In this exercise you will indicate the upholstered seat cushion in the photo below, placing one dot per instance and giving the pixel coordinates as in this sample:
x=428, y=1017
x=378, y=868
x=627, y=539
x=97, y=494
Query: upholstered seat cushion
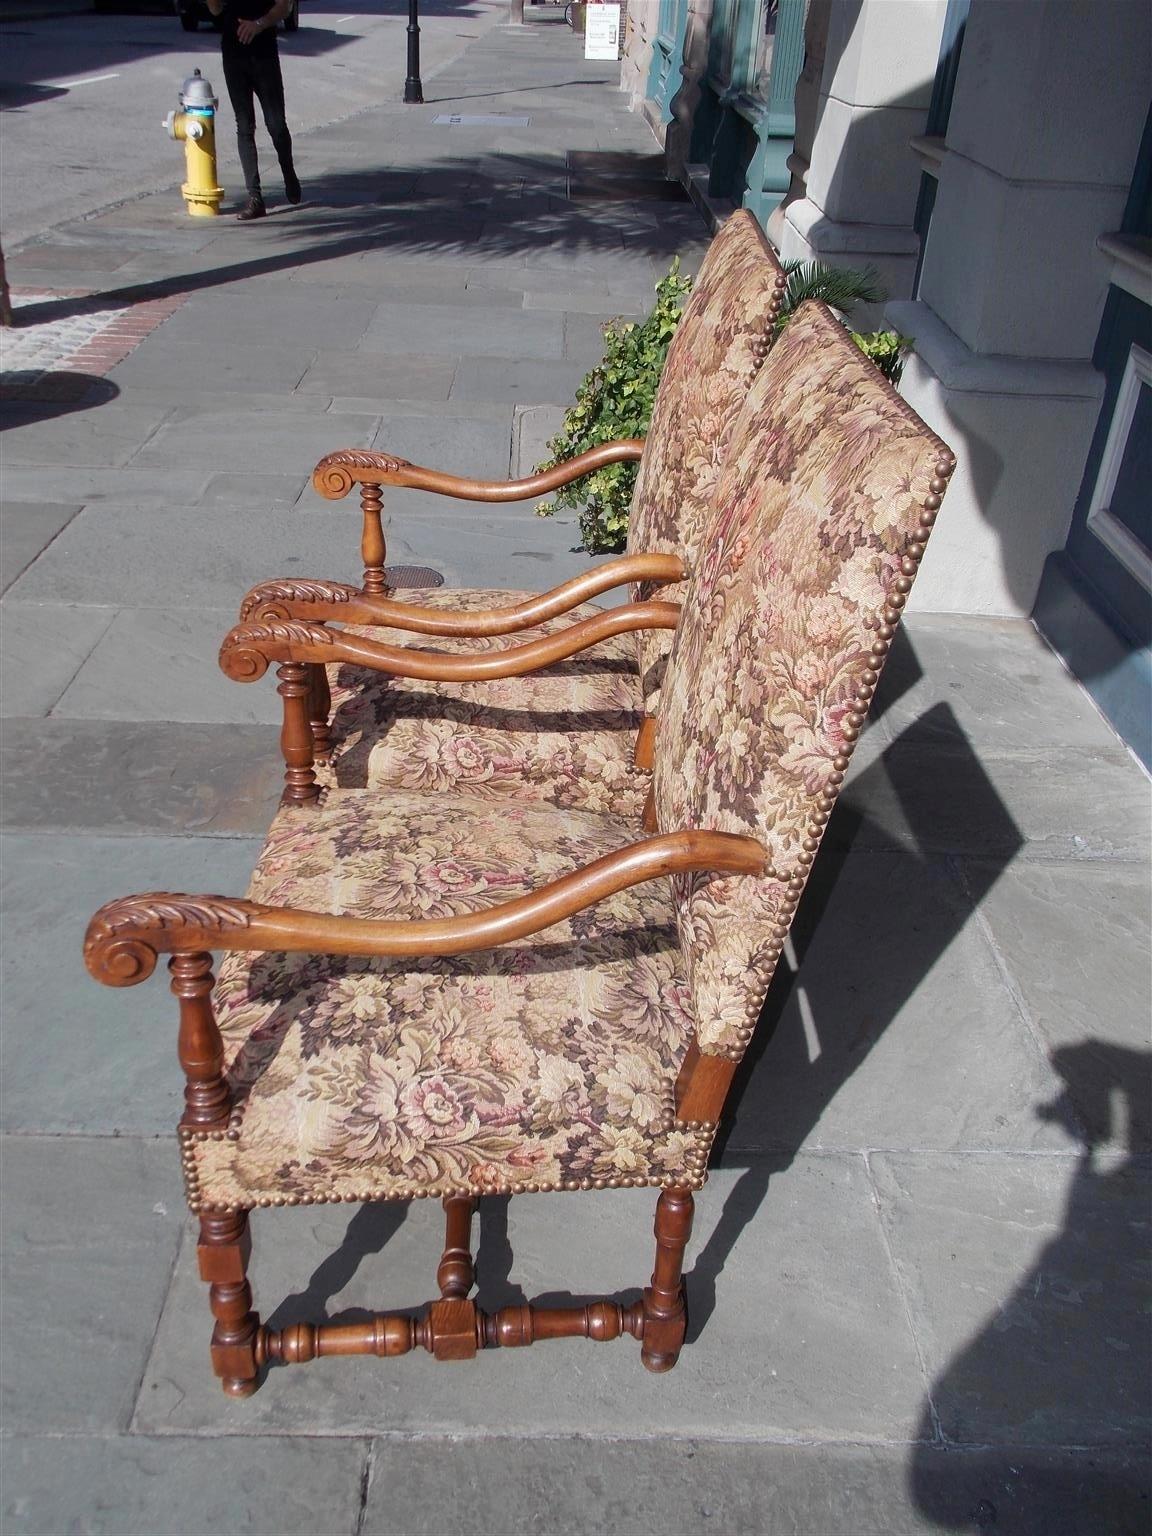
x=564, y=736
x=549, y=1063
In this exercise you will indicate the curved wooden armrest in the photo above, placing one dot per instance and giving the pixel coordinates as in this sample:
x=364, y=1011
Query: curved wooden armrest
x=291, y=598
x=337, y=473
x=248, y=649
x=125, y=936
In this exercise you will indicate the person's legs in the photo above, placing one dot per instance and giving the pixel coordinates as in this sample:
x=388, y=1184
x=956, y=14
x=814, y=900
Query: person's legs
x=269, y=85
x=239, y=80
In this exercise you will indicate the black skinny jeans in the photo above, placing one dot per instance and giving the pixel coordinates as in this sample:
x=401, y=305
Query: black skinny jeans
x=252, y=73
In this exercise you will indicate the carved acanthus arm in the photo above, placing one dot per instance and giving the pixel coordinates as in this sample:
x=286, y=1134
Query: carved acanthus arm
x=337, y=473
x=319, y=601
x=125, y=937
x=249, y=649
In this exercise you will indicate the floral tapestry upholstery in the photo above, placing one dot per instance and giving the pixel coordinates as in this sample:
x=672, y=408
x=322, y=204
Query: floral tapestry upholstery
x=548, y=1063
x=564, y=736
x=822, y=513
x=711, y=362
x=381, y=727
x=610, y=660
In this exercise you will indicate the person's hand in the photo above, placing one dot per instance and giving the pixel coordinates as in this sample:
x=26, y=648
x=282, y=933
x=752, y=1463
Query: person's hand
x=247, y=30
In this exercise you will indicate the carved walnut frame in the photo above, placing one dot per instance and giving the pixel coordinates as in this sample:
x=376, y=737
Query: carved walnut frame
x=305, y=650
x=121, y=948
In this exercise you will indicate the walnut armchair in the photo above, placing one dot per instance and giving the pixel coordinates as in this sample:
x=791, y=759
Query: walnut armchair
x=442, y=995
x=371, y=728
x=307, y=651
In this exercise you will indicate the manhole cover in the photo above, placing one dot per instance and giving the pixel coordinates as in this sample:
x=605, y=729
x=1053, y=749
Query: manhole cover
x=413, y=576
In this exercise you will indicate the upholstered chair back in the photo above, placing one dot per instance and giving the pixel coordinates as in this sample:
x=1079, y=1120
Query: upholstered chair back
x=822, y=512
x=720, y=342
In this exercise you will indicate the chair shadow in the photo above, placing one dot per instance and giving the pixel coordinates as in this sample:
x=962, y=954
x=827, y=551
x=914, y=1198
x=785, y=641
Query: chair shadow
x=495, y=1287
x=884, y=856
x=858, y=833
x=369, y=1232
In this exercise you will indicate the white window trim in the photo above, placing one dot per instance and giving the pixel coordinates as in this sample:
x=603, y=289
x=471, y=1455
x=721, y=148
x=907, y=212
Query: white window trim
x=1111, y=532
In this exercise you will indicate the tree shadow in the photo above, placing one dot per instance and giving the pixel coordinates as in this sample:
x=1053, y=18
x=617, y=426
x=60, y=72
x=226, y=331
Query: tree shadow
x=100, y=41
x=14, y=95
x=487, y=208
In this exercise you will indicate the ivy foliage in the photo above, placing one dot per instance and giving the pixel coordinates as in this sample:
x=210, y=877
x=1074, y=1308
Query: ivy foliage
x=616, y=398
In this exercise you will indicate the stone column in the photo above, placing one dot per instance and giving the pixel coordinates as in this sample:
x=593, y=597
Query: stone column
x=862, y=181
x=807, y=100
x=1044, y=130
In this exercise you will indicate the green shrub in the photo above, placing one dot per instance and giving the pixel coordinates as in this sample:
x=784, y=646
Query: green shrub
x=886, y=349
x=615, y=400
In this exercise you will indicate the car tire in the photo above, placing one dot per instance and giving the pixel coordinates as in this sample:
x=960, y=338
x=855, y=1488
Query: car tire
x=292, y=20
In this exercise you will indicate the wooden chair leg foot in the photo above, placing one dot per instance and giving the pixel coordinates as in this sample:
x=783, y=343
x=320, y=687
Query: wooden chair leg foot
x=222, y=1253
x=665, y=1302
x=663, y=1336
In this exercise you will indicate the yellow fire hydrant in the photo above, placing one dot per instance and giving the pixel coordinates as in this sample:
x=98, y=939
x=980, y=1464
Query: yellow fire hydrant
x=195, y=123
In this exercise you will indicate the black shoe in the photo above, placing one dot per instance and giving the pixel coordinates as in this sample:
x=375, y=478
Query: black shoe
x=253, y=209
x=292, y=189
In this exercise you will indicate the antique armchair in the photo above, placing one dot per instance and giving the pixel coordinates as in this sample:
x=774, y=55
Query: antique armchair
x=442, y=996
x=372, y=730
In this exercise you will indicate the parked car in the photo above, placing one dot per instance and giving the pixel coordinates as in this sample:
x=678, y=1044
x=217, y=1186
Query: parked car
x=193, y=12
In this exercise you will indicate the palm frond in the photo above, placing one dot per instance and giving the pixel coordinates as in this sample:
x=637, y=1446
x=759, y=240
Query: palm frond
x=839, y=287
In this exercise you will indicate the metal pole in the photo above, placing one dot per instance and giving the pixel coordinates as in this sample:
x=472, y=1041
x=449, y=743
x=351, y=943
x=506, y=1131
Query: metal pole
x=413, y=90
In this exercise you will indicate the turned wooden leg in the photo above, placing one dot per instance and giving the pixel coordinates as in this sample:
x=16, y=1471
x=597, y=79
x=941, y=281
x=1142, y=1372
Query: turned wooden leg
x=456, y=1275
x=223, y=1250
x=320, y=710
x=296, y=734
x=665, y=1309
x=373, y=550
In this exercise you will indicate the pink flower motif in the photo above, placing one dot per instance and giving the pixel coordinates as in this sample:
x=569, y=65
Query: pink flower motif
x=432, y=1110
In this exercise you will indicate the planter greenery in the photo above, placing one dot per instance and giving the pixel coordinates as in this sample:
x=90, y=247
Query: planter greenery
x=615, y=400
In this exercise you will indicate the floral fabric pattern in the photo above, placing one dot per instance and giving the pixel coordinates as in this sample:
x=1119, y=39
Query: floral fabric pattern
x=563, y=737
x=713, y=358
x=816, y=534
x=380, y=726
x=545, y=1063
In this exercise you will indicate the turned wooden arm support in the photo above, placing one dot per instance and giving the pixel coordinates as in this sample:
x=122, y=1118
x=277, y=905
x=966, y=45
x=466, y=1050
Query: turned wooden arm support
x=125, y=936
x=337, y=473
x=291, y=598
x=248, y=649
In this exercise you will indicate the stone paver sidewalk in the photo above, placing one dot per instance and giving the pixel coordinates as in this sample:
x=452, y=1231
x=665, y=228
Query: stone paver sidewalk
x=915, y=1280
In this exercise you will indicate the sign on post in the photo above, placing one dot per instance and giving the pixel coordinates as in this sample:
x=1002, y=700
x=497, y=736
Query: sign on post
x=602, y=32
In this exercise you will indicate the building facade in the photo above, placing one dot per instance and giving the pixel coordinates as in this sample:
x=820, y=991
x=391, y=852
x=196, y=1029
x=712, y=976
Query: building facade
x=993, y=162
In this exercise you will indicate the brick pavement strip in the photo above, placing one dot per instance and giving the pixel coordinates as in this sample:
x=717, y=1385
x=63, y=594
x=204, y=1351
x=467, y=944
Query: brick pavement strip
x=79, y=339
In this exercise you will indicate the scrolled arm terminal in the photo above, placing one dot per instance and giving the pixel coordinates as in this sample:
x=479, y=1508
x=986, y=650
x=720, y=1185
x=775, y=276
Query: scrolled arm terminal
x=337, y=473
x=249, y=649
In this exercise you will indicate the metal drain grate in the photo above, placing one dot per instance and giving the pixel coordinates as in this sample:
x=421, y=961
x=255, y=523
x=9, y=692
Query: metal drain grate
x=462, y=120
x=413, y=576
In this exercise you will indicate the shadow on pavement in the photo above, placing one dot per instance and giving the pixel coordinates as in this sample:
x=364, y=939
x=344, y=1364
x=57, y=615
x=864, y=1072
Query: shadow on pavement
x=499, y=208
x=1071, y=1338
